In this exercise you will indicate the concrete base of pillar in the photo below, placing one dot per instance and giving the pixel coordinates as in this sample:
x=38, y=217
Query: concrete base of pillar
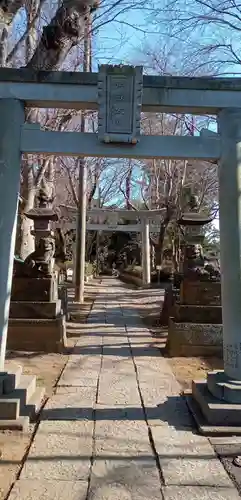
x=221, y=387
x=20, y=399
x=213, y=416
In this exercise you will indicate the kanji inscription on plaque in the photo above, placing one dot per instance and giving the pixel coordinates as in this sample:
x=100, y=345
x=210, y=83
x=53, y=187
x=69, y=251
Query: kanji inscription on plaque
x=120, y=99
x=112, y=220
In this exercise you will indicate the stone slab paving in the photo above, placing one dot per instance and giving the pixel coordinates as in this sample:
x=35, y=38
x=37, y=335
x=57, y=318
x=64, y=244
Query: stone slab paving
x=227, y=448
x=30, y=489
x=117, y=428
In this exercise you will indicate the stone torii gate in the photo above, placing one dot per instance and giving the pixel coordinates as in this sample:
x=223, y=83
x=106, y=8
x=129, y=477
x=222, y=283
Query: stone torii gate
x=112, y=216
x=119, y=95
x=144, y=228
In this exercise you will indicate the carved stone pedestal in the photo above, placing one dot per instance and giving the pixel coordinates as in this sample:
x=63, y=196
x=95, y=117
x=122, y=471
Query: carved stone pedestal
x=36, y=320
x=202, y=293
x=195, y=328
x=34, y=289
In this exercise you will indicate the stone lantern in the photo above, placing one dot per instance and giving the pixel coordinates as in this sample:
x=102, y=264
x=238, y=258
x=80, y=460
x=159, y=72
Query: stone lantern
x=195, y=315
x=193, y=225
x=42, y=217
x=37, y=319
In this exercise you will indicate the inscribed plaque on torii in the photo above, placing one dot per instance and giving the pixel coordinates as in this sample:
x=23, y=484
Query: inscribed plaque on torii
x=120, y=100
x=112, y=220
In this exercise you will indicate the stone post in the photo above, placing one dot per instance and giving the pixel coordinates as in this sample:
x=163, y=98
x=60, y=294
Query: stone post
x=146, y=260
x=74, y=262
x=81, y=235
x=12, y=117
x=229, y=123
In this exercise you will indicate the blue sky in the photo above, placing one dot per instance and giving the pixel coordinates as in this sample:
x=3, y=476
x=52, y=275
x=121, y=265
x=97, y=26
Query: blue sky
x=120, y=42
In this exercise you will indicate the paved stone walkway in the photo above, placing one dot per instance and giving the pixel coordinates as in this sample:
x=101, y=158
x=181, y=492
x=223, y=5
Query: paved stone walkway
x=116, y=429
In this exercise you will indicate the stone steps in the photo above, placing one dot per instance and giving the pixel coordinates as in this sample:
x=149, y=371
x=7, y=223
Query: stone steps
x=20, y=399
x=18, y=424
x=24, y=390
x=9, y=408
x=12, y=380
x=33, y=406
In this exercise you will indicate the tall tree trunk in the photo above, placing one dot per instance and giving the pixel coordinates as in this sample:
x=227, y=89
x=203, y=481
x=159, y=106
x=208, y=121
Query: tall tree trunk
x=26, y=239
x=32, y=8
x=128, y=188
x=159, y=245
x=30, y=186
x=3, y=44
x=82, y=185
x=25, y=242
x=50, y=176
x=65, y=30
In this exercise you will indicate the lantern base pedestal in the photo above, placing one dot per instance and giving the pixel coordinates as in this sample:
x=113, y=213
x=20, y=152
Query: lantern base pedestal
x=195, y=320
x=37, y=315
x=37, y=335
x=188, y=339
x=44, y=289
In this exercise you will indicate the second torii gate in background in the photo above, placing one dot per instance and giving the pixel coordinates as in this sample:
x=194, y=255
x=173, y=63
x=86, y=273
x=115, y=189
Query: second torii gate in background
x=113, y=216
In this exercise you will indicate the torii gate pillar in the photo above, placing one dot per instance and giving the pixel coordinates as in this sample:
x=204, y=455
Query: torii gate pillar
x=229, y=122
x=220, y=396
x=12, y=118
